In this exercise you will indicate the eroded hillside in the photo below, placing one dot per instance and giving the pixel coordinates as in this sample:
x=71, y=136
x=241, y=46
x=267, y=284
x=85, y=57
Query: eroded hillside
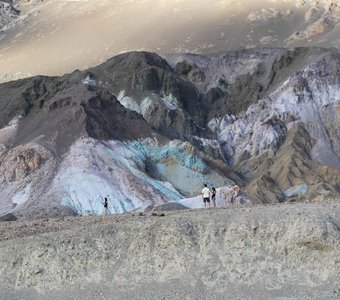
x=146, y=130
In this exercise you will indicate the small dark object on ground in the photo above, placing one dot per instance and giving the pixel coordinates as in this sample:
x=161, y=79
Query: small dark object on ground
x=138, y=214
x=158, y=214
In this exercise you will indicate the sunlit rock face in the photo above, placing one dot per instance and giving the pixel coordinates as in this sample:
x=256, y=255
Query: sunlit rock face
x=53, y=37
x=146, y=130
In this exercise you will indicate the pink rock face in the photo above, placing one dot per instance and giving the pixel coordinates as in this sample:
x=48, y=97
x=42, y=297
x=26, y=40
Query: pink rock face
x=23, y=161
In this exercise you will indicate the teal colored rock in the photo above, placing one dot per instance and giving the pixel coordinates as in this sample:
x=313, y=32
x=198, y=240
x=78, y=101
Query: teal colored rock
x=297, y=190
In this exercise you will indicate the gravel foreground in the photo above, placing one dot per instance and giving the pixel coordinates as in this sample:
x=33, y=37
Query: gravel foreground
x=286, y=251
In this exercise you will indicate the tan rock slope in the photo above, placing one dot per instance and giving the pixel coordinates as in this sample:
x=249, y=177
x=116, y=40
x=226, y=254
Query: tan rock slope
x=285, y=251
x=52, y=37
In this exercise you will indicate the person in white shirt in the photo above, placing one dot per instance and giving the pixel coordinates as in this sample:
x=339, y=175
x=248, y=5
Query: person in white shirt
x=206, y=195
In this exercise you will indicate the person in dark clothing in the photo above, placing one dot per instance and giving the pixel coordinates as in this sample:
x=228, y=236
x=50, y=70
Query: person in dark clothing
x=213, y=196
x=106, y=204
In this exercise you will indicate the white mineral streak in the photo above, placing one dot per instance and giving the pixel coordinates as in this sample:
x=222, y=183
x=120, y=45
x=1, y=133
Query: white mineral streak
x=8, y=132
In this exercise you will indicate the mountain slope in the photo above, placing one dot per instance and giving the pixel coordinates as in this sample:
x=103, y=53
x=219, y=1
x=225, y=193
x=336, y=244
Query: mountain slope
x=52, y=37
x=145, y=130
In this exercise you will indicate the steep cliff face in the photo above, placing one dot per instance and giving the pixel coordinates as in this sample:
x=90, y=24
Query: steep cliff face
x=145, y=130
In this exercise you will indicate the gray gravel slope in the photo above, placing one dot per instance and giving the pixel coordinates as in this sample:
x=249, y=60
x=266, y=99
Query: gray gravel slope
x=287, y=251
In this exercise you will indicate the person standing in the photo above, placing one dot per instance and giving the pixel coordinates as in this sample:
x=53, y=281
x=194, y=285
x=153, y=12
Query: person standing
x=213, y=196
x=235, y=195
x=206, y=195
x=106, y=204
